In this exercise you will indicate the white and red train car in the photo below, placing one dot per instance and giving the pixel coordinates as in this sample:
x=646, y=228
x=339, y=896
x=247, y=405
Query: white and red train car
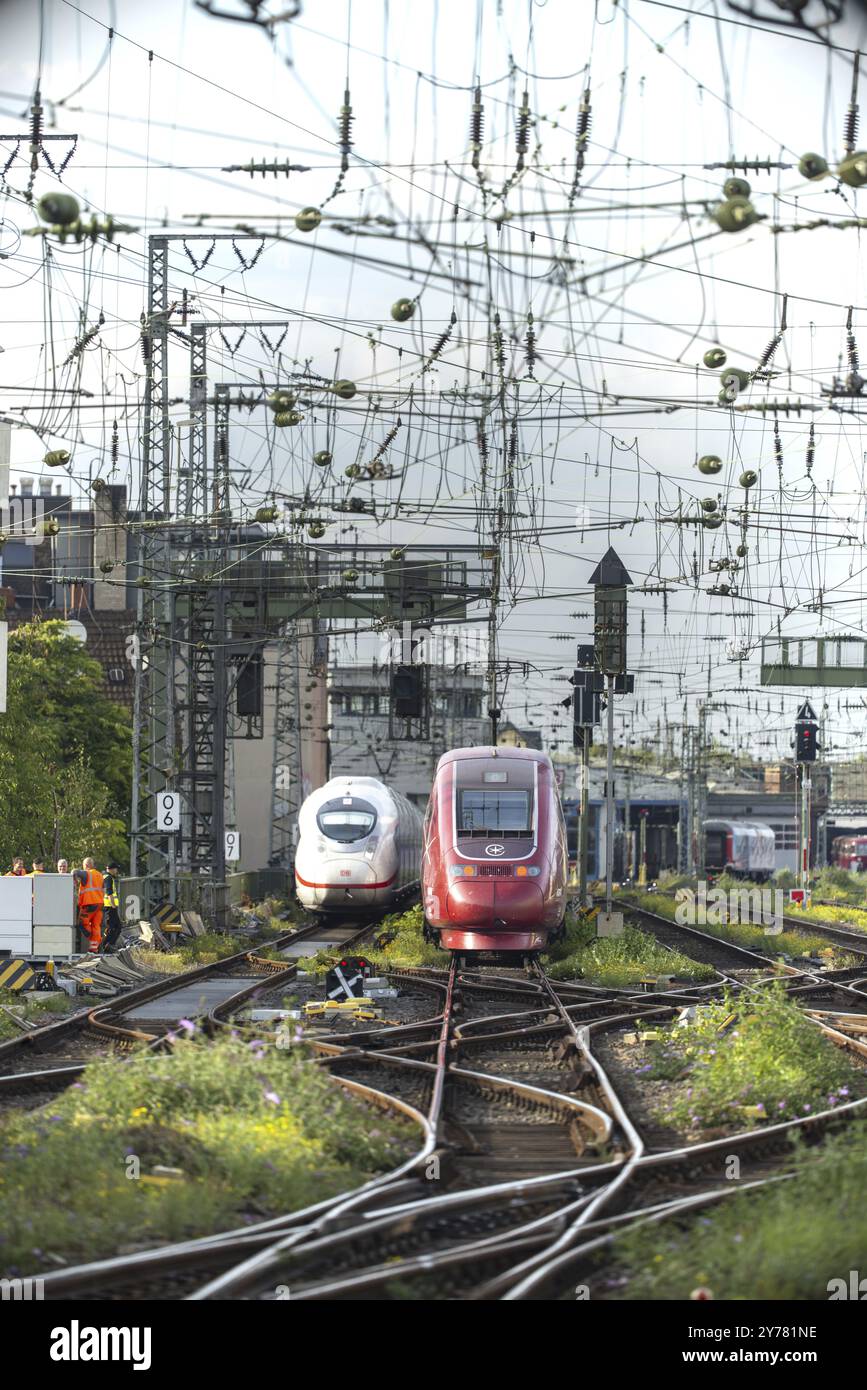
x=359, y=847
x=495, y=865
x=744, y=848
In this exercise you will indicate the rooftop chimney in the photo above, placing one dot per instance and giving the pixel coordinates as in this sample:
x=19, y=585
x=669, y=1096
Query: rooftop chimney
x=45, y=487
x=26, y=487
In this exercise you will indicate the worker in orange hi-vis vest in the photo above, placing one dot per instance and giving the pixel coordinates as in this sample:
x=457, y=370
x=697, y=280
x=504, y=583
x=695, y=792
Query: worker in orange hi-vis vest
x=18, y=870
x=90, y=896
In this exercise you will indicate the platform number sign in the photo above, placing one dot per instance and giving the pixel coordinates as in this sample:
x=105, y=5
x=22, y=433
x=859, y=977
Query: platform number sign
x=233, y=846
x=169, y=812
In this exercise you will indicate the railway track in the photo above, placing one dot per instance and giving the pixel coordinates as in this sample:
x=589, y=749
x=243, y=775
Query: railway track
x=528, y=1163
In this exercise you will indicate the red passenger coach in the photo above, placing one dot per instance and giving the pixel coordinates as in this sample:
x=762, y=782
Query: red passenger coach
x=494, y=869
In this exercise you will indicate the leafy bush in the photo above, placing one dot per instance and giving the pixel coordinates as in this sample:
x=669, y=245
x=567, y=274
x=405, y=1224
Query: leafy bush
x=754, y=1050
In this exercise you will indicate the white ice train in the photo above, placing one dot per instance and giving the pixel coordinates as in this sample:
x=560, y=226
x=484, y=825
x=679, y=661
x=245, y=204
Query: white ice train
x=359, y=847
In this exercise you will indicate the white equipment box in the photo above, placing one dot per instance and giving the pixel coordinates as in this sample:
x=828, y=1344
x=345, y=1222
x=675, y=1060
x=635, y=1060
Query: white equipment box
x=54, y=900
x=38, y=915
x=55, y=913
x=16, y=915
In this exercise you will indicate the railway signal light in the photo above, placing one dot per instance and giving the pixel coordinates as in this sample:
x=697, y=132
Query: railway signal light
x=407, y=692
x=806, y=726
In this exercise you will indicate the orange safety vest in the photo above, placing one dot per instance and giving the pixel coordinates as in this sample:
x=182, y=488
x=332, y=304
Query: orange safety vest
x=90, y=893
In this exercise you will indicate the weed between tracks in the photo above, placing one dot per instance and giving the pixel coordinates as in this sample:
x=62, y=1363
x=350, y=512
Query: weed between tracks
x=398, y=944
x=749, y=1058
x=787, y=1241
x=255, y=1131
x=38, y=1008
x=616, y=961
x=786, y=943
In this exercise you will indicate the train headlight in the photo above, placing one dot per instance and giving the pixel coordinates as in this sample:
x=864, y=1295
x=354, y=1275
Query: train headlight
x=462, y=870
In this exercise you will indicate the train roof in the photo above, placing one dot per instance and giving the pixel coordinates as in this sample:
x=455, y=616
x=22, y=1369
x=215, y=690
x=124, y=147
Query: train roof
x=721, y=823
x=487, y=750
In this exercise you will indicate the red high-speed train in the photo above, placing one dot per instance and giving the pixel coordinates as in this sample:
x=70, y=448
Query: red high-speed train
x=495, y=865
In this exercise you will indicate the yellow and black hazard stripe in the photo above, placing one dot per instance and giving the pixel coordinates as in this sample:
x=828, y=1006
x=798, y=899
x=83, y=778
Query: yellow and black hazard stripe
x=16, y=974
x=167, y=915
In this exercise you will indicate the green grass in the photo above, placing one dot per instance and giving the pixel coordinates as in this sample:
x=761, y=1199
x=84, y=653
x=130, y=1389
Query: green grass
x=39, y=1008
x=756, y=1050
x=617, y=961
x=255, y=1129
x=786, y=943
x=845, y=916
x=787, y=1241
x=191, y=951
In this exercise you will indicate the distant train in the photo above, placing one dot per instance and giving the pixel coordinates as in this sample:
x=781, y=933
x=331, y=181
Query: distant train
x=744, y=848
x=849, y=852
x=359, y=847
x=495, y=865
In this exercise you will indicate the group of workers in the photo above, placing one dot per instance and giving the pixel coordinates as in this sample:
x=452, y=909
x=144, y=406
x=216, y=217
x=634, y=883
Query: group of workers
x=98, y=899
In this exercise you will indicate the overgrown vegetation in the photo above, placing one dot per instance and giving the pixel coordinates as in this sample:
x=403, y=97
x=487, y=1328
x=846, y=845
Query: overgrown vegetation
x=787, y=1241
x=748, y=1058
x=754, y=938
x=34, y=1006
x=397, y=944
x=845, y=916
x=254, y=1130
x=617, y=961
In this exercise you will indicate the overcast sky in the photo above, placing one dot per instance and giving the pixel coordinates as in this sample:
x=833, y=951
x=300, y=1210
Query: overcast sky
x=618, y=406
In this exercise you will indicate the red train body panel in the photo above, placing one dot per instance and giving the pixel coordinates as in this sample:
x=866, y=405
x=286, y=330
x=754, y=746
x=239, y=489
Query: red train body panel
x=494, y=865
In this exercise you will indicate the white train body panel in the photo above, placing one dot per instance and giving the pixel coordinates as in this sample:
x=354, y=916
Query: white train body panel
x=359, y=846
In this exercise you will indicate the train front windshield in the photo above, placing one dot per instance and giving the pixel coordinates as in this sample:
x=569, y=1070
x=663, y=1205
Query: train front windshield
x=346, y=823
x=494, y=801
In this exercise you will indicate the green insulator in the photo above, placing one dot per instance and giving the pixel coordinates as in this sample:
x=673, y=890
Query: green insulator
x=287, y=417
x=736, y=188
x=353, y=470
x=708, y=504
x=60, y=209
x=350, y=576
x=322, y=458
x=749, y=477
x=316, y=530
x=734, y=215
x=344, y=389
x=56, y=458
x=308, y=219
x=812, y=166
x=281, y=400
x=106, y=566
x=714, y=357
x=853, y=169
x=402, y=309
x=51, y=527
x=709, y=464
x=741, y=376
x=266, y=514
x=712, y=522
x=397, y=553
x=742, y=550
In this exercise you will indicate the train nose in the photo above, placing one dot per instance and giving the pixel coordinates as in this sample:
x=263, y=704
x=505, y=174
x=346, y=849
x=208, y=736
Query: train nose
x=515, y=903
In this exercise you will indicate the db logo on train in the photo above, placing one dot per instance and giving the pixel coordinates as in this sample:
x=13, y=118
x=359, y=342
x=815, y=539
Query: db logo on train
x=495, y=849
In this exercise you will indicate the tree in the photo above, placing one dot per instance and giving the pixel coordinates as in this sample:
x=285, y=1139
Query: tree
x=65, y=751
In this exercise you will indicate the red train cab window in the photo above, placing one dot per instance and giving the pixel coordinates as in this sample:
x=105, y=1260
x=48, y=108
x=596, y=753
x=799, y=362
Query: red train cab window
x=494, y=804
